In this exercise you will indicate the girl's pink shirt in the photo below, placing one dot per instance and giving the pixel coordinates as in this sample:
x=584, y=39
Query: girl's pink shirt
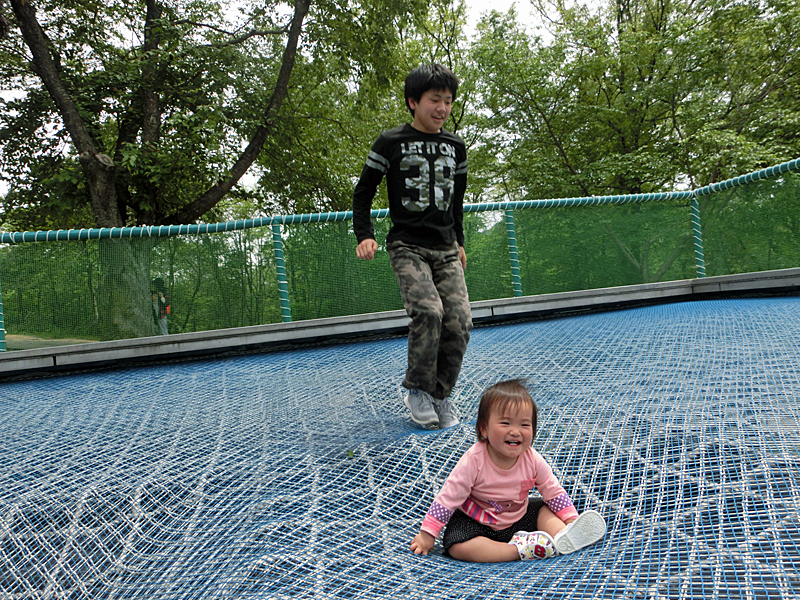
x=493, y=496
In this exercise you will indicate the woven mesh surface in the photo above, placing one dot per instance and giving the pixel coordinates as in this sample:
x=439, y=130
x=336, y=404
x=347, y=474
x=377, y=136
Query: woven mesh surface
x=297, y=474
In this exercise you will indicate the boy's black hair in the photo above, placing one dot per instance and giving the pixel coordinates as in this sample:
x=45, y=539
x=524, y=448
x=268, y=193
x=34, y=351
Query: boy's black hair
x=429, y=77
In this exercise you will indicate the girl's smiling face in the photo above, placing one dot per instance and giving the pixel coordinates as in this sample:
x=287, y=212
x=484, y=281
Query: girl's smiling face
x=509, y=433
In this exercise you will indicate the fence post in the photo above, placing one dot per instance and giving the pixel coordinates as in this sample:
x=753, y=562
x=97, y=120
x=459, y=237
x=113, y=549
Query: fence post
x=699, y=258
x=280, y=268
x=2, y=323
x=512, y=251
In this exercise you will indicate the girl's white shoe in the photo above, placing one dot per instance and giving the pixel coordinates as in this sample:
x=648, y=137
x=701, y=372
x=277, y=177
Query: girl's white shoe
x=536, y=544
x=588, y=528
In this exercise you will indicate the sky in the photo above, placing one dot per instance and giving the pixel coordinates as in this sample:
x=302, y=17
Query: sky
x=476, y=7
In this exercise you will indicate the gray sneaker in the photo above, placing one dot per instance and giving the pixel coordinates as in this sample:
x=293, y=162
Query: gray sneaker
x=421, y=406
x=446, y=413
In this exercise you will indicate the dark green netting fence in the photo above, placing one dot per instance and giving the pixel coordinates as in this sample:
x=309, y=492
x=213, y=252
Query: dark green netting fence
x=76, y=285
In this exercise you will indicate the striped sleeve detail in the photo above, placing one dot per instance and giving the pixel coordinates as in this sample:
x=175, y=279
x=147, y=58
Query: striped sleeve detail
x=461, y=168
x=477, y=513
x=562, y=506
x=377, y=162
x=432, y=526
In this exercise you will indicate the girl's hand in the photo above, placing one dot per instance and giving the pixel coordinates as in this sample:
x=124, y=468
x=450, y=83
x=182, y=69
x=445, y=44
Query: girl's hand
x=422, y=543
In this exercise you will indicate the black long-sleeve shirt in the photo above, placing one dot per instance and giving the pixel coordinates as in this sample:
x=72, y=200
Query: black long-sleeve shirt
x=426, y=177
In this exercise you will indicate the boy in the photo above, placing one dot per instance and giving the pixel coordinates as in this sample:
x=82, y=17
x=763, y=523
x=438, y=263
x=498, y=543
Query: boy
x=426, y=176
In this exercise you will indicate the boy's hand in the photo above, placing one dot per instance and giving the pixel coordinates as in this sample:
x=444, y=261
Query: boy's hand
x=366, y=249
x=462, y=256
x=422, y=543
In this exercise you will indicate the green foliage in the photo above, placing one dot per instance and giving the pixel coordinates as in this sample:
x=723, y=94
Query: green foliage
x=214, y=282
x=347, y=88
x=106, y=70
x=640, y=96
x=212, y=77
x=325, y=277
x=227, y=280
x=488, y=272
x=632, y=96
x=220, y=281
x=50, y=290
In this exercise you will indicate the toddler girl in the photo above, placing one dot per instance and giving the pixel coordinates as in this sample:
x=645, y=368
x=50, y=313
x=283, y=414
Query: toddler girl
x=484, y=501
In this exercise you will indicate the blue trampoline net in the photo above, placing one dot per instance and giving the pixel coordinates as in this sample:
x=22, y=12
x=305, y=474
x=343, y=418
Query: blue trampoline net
x=297, y=474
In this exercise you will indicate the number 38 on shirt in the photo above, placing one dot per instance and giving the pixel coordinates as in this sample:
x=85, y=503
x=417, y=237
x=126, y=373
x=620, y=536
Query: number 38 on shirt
x=425, y=178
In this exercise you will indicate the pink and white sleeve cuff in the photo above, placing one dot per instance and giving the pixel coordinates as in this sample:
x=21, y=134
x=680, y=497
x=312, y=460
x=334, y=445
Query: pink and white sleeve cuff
x=432, y=526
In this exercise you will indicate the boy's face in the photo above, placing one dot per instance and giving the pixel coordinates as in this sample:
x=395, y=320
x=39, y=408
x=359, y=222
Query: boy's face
x=431, y=110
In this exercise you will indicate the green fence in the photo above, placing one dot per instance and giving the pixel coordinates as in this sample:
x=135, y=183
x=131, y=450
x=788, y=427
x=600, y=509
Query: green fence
x=93, y=284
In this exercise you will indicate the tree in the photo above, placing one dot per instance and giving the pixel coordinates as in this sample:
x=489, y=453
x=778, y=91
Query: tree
x=109, y=129
x=639, y=96
x=151, y=132
x=158, y=76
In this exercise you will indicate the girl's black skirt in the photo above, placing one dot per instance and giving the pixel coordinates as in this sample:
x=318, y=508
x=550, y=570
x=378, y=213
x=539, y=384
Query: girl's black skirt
x=461, y=527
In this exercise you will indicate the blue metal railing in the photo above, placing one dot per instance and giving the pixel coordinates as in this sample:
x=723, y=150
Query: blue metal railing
x=511, y=234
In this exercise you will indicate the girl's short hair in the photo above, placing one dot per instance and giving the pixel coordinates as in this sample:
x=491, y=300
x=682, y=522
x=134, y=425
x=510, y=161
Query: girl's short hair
x=502, y=395
x=429, y=77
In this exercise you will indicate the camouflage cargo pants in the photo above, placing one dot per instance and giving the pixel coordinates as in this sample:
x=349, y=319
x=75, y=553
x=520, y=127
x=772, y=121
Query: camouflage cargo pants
x=435, y=296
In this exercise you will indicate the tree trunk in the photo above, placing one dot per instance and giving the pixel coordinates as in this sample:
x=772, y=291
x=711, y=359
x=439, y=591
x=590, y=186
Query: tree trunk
x=98, y=168
x=151, y=106
x=126, y=309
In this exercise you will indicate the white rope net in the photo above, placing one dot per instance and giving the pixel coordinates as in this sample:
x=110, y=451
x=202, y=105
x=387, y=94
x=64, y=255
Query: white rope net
x=297, y=474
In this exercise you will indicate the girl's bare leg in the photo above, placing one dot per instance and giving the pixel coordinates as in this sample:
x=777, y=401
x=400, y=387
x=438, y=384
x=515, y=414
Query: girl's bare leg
x=548, y=522
x=482, y=549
